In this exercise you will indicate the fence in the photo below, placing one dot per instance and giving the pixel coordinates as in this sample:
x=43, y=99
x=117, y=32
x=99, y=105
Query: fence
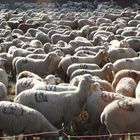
x=65, y=136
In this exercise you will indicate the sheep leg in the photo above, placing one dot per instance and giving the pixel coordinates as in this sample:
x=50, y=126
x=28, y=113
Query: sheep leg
x=102, y=131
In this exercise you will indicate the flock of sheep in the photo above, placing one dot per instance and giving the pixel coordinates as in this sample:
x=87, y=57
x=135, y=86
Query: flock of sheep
x=76, y=65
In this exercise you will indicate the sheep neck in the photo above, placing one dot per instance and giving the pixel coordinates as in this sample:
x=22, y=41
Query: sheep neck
x=98, y=58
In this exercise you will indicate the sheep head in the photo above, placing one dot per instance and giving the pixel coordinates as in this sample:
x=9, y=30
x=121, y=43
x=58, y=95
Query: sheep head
x=109, y=70
x=23, y=74
x=53, y=59
x=95, y=86
x=104, y=54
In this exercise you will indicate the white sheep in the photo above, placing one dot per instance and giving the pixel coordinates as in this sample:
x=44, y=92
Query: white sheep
x=15, y=120
x=103, y=20
x=41, y=67
x=28, y=74
x=56, y=37
x=105, y=85
x=91, y=48
x=134, y=74
x=72, y=24
x=127, y=63
x=66, y=61
x=36, y=56
x=122, y=116
x=65, y=105
x=84, y=53
x=42, y=37
x=133, y=42
x=118, y=53
x=76, y=66
x=98, y=101
x=105, y=73
x=27, y=83
x=126, y=86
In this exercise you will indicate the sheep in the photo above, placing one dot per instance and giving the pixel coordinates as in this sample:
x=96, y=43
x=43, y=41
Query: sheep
x=103, y=20
x=24, y=27
x=83, y=22
x=65, y=105
x=72, y=24
x=115, y=116
x=3, y=92
x=39, y=66
x=84, y=53
x=134, y=74
x=76, y=66
x=5, y=46
x=105, y=73
x=105, y=85
x=98, y=101
x=45, y=30
x=100, y=56
x=13, y=24
x=4, y=25
x=129, y=33
x=91, y=48
x=28, y=74
x=117, y=44
x=133, y=43
x=26, y=38
x=54, y=31
x=73, y=44
x=49, y=25
x=4, y=77
x=42, y=37
x=36, y=44
x=82, y=41
x=118, y=53
x=126, y=86
x=17, y=32
x=36, y=56
x=20, y=52
x=133, y=22
x=32, y=31
x=111, y=16
x=56, y=37
x=54, y=88
x=127, y=63
x=15, y=120
x=27, y=83
x=50, y=79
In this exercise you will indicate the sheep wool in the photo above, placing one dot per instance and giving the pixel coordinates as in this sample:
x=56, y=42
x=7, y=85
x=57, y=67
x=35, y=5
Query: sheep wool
x=19, y=119
x=65, y=105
